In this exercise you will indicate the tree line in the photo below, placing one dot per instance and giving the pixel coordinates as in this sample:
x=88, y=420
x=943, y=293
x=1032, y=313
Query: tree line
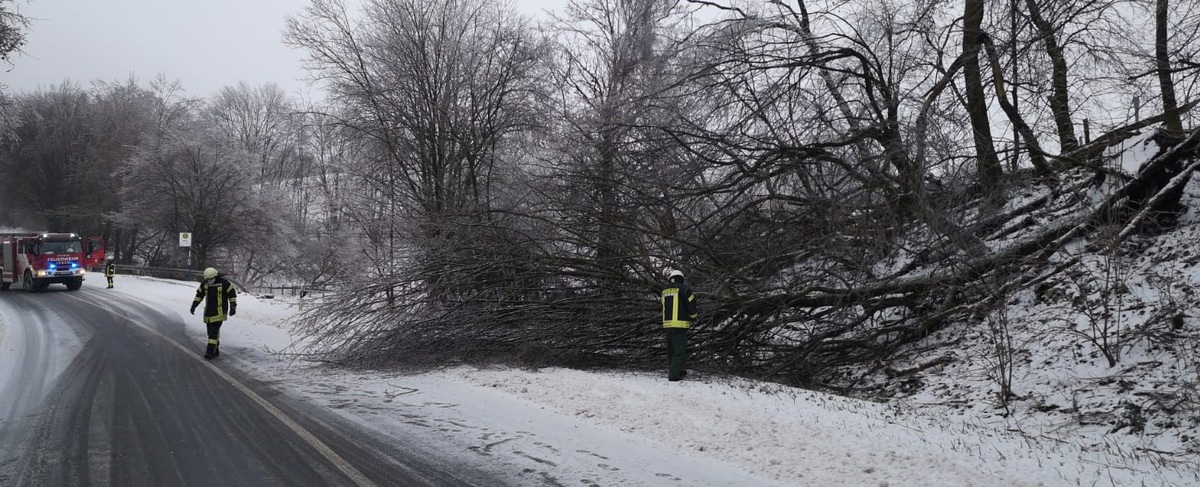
x=479, y=188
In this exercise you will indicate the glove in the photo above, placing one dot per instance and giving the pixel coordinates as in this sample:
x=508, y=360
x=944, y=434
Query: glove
x=232, y=309
x=193, y=309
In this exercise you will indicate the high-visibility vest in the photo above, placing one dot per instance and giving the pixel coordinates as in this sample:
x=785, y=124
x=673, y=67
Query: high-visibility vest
x=678, y=306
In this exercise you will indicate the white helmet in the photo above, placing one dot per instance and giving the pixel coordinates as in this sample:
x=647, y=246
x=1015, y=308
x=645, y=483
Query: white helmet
x=673, y=273
x=210, y=273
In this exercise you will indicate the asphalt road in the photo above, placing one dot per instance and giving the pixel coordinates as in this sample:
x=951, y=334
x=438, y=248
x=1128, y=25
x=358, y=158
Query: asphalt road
x=99, y=390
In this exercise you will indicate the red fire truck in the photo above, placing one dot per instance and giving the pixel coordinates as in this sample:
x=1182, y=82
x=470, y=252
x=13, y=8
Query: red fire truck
x=37, y=260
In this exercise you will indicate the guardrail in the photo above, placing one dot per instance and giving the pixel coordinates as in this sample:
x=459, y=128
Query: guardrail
x=193, y=275
x=160, y=272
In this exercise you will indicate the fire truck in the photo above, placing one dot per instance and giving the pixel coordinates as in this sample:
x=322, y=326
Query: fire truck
x=37, y=260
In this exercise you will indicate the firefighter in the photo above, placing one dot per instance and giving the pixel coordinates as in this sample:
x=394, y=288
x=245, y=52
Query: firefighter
x=110, y=270
x=678, y=314
x=219, y=298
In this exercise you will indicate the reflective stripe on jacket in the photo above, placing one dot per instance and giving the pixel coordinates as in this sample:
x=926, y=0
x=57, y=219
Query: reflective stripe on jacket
x=110, y=270
x=218, y=295
x=678, y=306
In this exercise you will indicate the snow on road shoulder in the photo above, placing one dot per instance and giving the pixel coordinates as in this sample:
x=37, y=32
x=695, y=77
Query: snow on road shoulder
x=792, y=436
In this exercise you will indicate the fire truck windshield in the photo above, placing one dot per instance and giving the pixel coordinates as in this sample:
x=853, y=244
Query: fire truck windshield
x=60, y=247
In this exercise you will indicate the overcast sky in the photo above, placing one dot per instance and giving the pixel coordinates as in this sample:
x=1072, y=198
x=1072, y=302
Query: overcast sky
x=205, y=44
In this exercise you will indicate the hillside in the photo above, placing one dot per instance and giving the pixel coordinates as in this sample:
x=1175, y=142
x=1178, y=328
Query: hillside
x=1099, y=345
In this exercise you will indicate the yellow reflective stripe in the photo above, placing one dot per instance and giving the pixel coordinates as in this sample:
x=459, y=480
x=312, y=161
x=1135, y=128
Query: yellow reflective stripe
x=671, y=316
x=670, y=311
x=214, y=341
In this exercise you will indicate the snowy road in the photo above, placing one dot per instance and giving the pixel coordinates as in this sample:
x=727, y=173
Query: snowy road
x=98, y=389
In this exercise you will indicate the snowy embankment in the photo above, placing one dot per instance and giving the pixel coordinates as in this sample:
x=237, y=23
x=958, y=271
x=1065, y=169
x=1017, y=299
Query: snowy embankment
x=565, y=427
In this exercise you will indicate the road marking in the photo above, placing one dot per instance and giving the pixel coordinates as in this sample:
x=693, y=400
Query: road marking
x=341, y=463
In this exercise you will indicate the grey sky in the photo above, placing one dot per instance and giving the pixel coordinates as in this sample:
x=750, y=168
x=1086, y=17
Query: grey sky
x=205, y=44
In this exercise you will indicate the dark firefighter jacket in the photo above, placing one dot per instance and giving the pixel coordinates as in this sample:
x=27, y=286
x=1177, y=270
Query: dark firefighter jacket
x=678, y=305
x=219, y=298
x=110, y=270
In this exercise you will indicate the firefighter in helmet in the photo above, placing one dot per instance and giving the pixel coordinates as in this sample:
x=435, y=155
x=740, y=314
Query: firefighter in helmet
x=110, y=270
x=220, y=302
x=678, y=314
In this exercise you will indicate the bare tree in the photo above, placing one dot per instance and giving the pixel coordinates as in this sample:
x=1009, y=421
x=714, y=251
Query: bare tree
x=194, y=182
x=1060, y=101
x=122, y=117
x=1162, y=62
x=430, y=84
x=12, y=29
x=614, y=65
x=169, y=112
x=262, y=121
x=67, y=139
x=990, y=171
x=429, y=93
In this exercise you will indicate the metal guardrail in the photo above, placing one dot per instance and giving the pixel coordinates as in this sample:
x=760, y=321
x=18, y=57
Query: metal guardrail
x=193, y=275
x=159, y=272
x=186, y=275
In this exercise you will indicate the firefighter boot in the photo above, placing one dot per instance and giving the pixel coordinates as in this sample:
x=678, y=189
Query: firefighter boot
x=211, y=350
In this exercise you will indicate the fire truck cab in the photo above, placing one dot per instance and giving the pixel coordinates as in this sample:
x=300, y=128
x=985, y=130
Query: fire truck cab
x=37, y=260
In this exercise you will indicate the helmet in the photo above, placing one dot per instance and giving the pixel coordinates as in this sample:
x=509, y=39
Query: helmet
x=210, y=273
x=673, y=273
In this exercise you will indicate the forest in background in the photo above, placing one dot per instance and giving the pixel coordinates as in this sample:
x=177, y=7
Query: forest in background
x=838, y=179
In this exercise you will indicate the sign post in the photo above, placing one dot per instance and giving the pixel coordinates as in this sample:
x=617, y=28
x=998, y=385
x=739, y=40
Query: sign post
x=185, y=240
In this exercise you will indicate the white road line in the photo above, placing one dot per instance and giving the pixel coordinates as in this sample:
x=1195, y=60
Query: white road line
x=341, y=463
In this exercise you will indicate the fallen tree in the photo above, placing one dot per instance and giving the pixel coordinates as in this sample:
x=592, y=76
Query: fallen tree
x=902, y=308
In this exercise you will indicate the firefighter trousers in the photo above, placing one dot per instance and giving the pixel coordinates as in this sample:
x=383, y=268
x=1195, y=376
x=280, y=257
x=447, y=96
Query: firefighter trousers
x=676, y=352
x=214, y=339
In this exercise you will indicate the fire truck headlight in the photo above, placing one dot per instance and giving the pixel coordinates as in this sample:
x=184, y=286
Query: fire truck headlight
x=42, y=273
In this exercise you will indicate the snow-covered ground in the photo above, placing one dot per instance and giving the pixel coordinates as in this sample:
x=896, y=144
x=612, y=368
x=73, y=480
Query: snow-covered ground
x=566, y=427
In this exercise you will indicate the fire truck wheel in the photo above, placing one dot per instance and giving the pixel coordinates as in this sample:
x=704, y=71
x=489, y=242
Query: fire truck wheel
x=74, y=285
x=4, y=286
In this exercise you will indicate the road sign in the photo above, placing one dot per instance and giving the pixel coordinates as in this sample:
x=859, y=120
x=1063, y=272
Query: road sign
x=185, y=239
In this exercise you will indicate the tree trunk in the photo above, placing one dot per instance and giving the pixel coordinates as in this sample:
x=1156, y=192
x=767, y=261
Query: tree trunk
x=1036, y=154
x=1059, y=98
x=990, y=172
x=1163, y=63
